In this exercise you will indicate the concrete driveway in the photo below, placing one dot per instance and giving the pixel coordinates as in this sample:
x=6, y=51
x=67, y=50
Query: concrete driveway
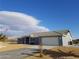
x=44, y=47
x=17, y=54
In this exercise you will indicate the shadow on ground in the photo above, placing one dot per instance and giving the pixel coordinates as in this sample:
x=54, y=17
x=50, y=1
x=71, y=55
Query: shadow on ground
x=59, y=53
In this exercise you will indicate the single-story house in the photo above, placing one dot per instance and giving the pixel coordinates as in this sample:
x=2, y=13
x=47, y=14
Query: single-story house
x=52, y=38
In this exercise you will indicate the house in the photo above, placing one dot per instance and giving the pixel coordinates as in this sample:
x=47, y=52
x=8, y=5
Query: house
x=52, y=38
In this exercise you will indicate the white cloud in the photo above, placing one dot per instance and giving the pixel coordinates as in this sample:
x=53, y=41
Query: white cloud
x=19, y=23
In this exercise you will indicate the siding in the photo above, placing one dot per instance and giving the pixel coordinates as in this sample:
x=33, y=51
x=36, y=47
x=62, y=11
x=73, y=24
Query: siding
x=66, y=39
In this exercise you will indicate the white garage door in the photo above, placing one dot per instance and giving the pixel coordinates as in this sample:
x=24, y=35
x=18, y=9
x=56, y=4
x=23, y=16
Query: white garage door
x=51, y=41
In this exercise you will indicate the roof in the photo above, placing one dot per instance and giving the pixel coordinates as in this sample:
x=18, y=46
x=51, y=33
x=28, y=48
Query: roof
x=50, y=33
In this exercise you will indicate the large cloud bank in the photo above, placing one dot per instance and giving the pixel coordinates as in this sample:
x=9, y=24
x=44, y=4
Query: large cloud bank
x=15, y=23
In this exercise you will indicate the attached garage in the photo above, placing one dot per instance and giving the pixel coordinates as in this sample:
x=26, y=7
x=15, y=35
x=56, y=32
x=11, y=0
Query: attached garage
x=50, y=41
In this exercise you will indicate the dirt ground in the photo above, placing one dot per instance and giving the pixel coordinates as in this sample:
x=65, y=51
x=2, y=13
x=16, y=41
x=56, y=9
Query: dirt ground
x=58, y=53
x=54, y=53
x=12, y=47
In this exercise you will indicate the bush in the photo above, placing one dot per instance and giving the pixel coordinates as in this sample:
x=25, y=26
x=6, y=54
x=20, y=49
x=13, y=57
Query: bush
x=3, y=37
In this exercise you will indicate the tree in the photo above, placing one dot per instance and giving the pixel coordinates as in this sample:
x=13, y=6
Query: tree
x=3, y=37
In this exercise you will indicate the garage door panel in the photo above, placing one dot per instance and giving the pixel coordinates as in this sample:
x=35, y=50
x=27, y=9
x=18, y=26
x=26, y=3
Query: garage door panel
x=52, y=41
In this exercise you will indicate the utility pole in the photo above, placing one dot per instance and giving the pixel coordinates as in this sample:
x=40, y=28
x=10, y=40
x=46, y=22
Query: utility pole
x=41, y=47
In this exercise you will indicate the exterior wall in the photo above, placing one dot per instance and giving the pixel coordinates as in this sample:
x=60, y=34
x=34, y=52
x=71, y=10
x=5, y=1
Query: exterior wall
x=51, y=41
x=60, y=40
x=23, y=40
x=34, y=41
x=66, y=39
x=28, y=40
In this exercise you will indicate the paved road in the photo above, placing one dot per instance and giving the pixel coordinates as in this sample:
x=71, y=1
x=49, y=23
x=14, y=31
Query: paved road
x=17, y=54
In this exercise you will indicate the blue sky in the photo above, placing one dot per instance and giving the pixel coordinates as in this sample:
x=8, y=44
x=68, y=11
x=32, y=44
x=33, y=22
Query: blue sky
x=53, y=14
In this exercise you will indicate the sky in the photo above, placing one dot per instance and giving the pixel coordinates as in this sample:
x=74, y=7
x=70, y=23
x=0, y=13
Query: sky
x=18, y=17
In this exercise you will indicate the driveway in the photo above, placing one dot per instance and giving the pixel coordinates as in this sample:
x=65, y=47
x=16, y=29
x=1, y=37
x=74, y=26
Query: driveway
x=17, y=54
x=44, y=47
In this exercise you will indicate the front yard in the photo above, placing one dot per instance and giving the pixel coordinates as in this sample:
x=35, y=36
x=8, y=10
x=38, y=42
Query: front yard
x=21, y=50
x=7, y=47
x=58, y=53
